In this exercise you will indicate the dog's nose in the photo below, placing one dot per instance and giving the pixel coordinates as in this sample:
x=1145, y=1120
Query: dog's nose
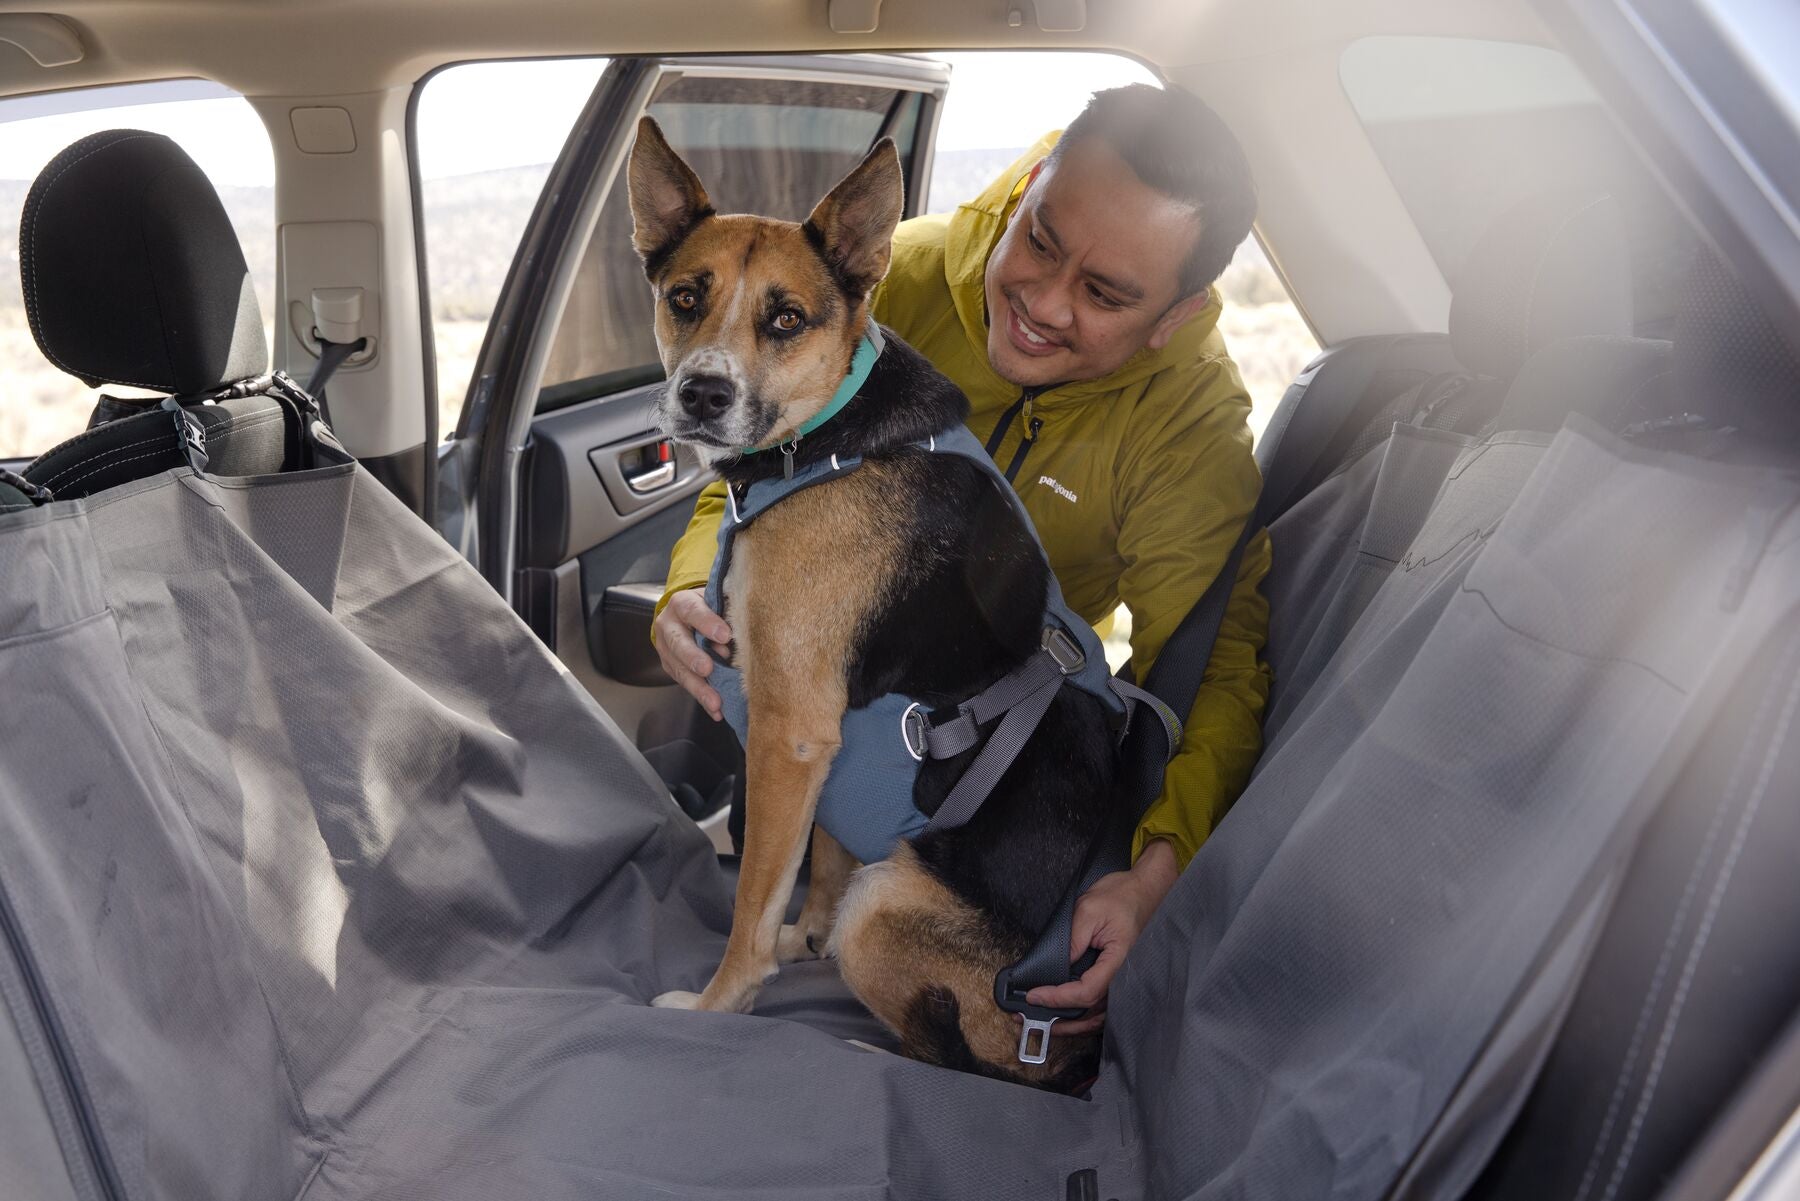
x=706, y=396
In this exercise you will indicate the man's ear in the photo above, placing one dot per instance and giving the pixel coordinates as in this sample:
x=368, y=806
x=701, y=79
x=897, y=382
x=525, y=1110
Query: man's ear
x=1178, y=313
x=853, y=227
x=667, y=200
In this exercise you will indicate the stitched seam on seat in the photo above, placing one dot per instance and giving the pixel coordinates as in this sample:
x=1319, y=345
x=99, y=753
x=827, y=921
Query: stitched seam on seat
x=1537, y=272
x=1666, y=957
x=1692, y=964
x=82, y=439
x=29, y=240
x=149, y=454
x=105, y=454
x=218, y=437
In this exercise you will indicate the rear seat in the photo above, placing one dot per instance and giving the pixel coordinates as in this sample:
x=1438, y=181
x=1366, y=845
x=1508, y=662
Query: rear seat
x=135, y=277
x=1693, y=976
x=1697, y=974
x=1555, y=266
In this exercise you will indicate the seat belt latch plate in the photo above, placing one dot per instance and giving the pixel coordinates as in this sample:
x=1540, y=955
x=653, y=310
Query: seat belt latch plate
x=1034, y=1039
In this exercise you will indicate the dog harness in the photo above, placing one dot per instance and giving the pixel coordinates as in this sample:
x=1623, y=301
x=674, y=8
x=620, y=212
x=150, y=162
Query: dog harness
x=867, y=800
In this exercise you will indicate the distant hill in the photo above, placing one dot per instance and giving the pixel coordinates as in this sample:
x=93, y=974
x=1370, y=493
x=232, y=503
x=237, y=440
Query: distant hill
x=473, y=224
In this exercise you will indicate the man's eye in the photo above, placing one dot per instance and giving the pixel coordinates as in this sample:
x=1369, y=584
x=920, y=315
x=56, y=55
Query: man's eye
x=1036, y=245
x=685, y=300
x=788, y=321
x=1101, y=298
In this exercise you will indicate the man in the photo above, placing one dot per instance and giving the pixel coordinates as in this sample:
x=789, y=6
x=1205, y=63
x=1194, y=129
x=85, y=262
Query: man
x=1072, y=303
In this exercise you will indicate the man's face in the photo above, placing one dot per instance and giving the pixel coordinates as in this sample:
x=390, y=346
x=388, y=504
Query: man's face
x=1087, y=272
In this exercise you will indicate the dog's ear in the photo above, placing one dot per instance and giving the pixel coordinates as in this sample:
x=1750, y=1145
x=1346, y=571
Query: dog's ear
x=667, y=200
x=853, y=227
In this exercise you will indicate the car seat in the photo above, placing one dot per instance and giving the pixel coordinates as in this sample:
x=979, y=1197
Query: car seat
x=133, y=275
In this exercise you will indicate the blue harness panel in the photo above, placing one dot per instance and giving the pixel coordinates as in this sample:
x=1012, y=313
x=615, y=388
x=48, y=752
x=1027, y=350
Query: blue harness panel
x=867, y=801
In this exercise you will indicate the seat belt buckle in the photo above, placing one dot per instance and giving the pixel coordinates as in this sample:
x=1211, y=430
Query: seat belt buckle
x=1034, y=1039
x=1063, y=650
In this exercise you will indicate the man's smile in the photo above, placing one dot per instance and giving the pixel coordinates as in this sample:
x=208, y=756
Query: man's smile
x=1026, y=338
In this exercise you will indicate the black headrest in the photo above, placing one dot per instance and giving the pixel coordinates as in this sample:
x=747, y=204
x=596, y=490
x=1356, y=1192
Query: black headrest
x=1555, y=266
x=1732, y=364
x=131, y=271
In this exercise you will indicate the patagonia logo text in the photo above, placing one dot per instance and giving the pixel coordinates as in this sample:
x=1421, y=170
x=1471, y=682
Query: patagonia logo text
x=1057, y=488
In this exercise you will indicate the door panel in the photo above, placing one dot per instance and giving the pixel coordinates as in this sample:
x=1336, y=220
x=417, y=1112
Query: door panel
x=600, y=497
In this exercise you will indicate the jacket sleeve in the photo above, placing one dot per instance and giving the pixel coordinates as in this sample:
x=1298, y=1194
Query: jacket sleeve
x=690, y=562
x=1175, y=537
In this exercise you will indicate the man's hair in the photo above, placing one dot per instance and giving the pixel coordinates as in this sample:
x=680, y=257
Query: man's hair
x=1180, y=147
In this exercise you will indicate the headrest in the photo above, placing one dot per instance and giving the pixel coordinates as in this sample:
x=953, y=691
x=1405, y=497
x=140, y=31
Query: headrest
x=131, y=271
x=1614, y=381
x=1731, y=363
x=1555, y=266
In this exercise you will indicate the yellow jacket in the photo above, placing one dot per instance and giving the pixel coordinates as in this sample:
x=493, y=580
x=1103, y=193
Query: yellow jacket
x=1138, y=484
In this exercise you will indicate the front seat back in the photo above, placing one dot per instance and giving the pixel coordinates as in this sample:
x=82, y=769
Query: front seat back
x=133, y=275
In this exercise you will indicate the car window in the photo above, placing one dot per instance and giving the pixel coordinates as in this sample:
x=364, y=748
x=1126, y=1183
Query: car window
x=486, y=135
x=1466, y=129
x=767, y=146
x=226, y=138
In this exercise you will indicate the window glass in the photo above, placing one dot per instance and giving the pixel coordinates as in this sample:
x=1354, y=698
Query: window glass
x=772, y=147
x=1467, y=129
x=487, y=135
x=215, y=125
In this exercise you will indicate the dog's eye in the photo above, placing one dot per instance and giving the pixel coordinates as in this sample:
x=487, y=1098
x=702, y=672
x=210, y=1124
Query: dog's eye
x=788, y=321
x=685, y=300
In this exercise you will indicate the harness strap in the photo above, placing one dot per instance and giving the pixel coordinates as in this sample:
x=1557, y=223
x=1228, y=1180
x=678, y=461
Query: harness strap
x=948, y=739
x=1033, y=686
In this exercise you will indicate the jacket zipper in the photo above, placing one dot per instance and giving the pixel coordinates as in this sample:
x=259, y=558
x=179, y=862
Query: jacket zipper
x=105, y=1176
x=1033, y=424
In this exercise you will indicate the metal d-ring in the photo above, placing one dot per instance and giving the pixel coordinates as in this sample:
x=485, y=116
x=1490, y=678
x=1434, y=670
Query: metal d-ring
x=915, y=747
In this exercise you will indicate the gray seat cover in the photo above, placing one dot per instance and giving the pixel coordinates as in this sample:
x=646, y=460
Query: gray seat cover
x=338, y=886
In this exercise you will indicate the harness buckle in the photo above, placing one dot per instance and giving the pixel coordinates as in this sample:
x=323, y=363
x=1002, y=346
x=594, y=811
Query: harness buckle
x=1064, y=650
x=912, y=731
x=1035, y=1026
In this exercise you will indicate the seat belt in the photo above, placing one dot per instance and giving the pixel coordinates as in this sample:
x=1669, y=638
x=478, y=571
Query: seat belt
x=331, y=357
x=1171, y=687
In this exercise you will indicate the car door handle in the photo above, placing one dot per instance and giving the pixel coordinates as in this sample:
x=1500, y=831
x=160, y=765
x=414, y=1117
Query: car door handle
x=650, y=479
x=646, y=469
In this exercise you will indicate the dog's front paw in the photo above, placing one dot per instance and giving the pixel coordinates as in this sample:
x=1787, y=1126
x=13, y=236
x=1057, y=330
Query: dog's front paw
x=796, y=943
x=677, y=1000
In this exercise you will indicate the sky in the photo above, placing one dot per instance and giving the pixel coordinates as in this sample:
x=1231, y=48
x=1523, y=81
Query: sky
x=485, y=116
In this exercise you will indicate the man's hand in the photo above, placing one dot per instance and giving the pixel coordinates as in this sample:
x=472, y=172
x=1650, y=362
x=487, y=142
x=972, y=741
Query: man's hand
x=1109, y=917
x=681, y=655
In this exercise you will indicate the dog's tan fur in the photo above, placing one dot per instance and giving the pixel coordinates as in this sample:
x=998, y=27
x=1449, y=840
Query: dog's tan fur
x=904, y=939
x=796, y=604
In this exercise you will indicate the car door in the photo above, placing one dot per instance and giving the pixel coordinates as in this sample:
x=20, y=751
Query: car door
x=558, y=484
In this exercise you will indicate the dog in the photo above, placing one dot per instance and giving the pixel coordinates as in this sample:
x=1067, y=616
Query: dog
x=916, y=573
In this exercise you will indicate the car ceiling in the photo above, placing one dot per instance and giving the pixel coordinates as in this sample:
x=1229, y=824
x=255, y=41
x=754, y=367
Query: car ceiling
x=323, y=47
